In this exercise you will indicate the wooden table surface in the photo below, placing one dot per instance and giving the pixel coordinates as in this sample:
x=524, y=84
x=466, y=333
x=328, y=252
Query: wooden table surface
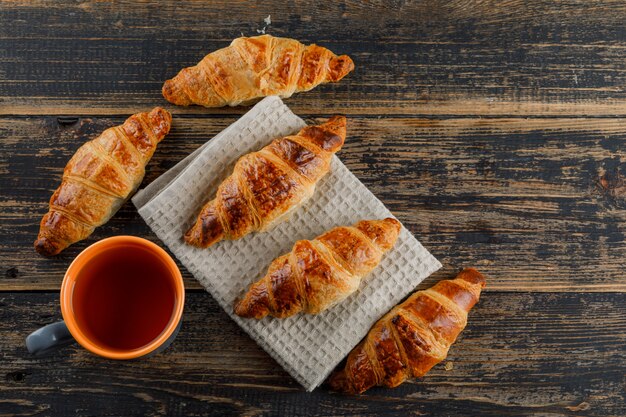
x=494, y=130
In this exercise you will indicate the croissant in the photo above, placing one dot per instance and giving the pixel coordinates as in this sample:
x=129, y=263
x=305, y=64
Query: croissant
x=413, y=337
x=255, y=67
x=319, y=273
x=101, y=175
x=267, y=186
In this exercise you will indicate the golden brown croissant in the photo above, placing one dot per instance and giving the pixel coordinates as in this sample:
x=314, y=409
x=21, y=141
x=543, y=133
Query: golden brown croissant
x=101, y=175
x=255, y=67
x=319, y=273
x=267, y=186
x=413, y=337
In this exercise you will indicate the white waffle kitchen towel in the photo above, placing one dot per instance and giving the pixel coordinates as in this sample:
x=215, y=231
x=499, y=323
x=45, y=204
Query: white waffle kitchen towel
x=308, y=347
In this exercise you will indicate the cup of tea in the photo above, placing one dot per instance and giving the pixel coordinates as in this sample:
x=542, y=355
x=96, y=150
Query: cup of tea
x=121, y=298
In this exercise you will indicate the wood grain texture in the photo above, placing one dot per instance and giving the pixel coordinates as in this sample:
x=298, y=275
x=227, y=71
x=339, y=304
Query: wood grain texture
x=493, y=129
x=424, y=57
x=521, y=354
x=538, y=204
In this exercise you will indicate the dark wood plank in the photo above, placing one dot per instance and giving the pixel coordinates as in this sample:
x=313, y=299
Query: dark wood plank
x=537, y=203
x=427, y=57
x=522, y=354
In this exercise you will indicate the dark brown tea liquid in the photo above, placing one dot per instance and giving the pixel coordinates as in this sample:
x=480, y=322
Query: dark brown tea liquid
x=125, y=299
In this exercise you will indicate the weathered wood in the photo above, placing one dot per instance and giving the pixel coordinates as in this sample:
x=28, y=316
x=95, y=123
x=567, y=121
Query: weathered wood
x=537, y=203
x=521, y=354
x=437, y=106
x=426, y=57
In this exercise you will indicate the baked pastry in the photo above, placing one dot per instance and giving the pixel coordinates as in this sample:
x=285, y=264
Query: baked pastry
x=255, y=67
x=413, y=337
x=100, y=177
x=267, y=186
x=319, y=273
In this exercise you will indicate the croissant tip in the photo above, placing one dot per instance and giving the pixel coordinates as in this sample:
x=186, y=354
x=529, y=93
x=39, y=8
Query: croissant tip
x=172, y=93
x=45, y=247
x=338, y=119
x=168, y=90
x=243, y=308
x=396, y=224
x=337, y=124
x=340, y=66
x=349, y=62
x=339, y=382
x=160, y=111
x=472, y=275
x=190, y=239
x=237, y=308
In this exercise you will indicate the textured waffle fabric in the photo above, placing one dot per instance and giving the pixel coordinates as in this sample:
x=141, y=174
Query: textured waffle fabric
x=308, y=347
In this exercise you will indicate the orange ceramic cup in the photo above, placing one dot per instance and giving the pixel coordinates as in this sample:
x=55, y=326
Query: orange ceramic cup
x=126, y=262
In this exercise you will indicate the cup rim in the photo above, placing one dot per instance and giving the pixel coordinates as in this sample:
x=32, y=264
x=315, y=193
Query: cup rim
x=82, y=260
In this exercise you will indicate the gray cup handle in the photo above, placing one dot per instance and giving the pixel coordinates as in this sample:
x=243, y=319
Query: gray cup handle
x=48, y=339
